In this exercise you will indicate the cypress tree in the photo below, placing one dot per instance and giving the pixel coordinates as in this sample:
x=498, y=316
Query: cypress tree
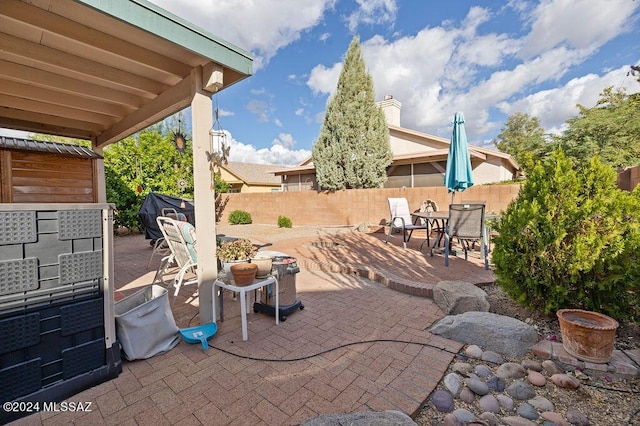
x=353, y=150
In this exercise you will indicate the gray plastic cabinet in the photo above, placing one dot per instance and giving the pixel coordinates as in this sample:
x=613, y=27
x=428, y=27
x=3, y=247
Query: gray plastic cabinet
x=57, y=328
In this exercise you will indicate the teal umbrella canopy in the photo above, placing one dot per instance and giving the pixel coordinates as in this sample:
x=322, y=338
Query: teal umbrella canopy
x=458, y=175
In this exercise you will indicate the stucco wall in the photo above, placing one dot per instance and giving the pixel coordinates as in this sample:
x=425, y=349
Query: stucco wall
x=355, y=206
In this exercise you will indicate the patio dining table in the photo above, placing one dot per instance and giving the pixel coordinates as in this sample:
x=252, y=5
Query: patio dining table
x=439, y=219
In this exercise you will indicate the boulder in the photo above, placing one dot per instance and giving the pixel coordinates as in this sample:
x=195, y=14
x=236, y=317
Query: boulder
x=390, y=418
x=508, y=336
x=457, y=297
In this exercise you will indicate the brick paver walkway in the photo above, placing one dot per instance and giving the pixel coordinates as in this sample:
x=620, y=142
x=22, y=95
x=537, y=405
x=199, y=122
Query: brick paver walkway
x=190, y=386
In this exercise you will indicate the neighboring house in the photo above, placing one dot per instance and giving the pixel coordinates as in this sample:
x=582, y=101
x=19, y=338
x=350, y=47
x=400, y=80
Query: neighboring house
x=248, y=177
x=419, y=159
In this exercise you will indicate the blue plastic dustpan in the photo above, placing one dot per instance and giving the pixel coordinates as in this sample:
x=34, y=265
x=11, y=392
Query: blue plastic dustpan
x=199, y=334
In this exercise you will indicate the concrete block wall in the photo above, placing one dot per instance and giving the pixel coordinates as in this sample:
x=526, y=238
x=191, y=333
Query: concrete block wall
x=355, y=206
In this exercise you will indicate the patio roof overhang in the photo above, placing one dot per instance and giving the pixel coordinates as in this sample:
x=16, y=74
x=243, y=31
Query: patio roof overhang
x=103, y=70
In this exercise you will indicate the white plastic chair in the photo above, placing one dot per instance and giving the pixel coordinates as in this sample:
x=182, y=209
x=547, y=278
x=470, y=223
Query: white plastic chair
x=181, y=240
x=401, y=219
x=160, y=247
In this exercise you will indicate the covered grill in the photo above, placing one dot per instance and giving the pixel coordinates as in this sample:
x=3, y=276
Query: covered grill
x=284, y=268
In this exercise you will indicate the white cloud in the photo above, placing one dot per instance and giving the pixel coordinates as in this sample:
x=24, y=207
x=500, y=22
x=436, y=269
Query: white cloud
x=324, y=36
x=277, y=122
x=578, y=24
x=260, y=109
x=278, y=154
x=262, y=27
x=458, y=67
x=372, y=12
x=285, y=140
x=323, y=80
x=225, y=113
x=554, y=106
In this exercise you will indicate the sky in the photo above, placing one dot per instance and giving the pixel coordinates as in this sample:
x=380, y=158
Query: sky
x=488, y=59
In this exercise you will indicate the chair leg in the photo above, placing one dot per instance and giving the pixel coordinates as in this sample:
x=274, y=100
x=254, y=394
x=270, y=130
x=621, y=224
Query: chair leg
x=386, y=241
x=446, y=248
x=486, y=257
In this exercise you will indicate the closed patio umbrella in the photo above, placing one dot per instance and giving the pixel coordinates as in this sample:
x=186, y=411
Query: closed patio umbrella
x=458, y=175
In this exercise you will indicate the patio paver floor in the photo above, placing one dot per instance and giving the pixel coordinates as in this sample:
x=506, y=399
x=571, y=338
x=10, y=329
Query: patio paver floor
x=190, y=386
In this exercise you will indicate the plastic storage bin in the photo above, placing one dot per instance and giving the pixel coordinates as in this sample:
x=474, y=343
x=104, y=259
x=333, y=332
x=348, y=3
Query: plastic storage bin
x=144, y=323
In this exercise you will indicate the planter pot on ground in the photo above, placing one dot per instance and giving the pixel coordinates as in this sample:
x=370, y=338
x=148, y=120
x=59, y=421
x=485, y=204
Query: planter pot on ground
x=589, y=336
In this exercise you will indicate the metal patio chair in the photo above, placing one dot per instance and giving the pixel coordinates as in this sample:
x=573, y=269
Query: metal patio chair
x=466, y=223
x=401, y=219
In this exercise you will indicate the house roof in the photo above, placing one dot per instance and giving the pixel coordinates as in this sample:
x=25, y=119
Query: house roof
x=103, y=70
x=438, y=154
x=444, y=143
x=19, y=144
x=253, y=174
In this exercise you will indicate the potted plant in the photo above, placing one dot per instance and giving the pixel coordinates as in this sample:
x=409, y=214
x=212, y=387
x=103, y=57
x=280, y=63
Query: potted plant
x=233, y=252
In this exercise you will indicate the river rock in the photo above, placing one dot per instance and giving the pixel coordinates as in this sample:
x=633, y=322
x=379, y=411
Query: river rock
x=489, y=403
x=536, y=379
x=482, y=371
x=451, y=420
x=473, y=351
x=551, y=367
x=527, y=411
x=521, y=390
x=496, y=384
x=576, y=418
x=463, y=368
x=555, y=418
x=541, y=403
x=465, y=416
x=530, y=364
x=453, y=382
x=517, y=421
x=443, y=401
x=511, y=370
x=505, y=402
x=467, y=395
x=506, y=335
x=478, y=386
x=565, y=381
x=492, y=357
x=490, y=418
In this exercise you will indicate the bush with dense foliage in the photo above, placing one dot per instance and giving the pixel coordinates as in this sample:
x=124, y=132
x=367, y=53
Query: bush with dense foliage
x=239, y=217
x=284, y=222
x=571, y=240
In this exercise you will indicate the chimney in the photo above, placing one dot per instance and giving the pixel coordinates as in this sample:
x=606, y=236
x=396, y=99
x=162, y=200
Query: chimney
x=391, y=109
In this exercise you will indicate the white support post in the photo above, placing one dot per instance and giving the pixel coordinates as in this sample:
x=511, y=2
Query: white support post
x=204, y=196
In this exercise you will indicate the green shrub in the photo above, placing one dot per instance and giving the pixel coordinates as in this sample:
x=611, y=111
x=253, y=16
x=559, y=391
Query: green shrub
x=284, y=222
x=239, y=217
x=571, y=240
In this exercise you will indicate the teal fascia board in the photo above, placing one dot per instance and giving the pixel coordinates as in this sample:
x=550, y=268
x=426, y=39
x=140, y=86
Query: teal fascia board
x=155, y=20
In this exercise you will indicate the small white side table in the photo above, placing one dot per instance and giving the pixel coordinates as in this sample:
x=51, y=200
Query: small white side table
x=258, y=283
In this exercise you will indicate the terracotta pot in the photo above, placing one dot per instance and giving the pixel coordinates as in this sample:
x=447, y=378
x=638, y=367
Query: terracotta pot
x=244, y=273
x=227, y=264
x=589, y=336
